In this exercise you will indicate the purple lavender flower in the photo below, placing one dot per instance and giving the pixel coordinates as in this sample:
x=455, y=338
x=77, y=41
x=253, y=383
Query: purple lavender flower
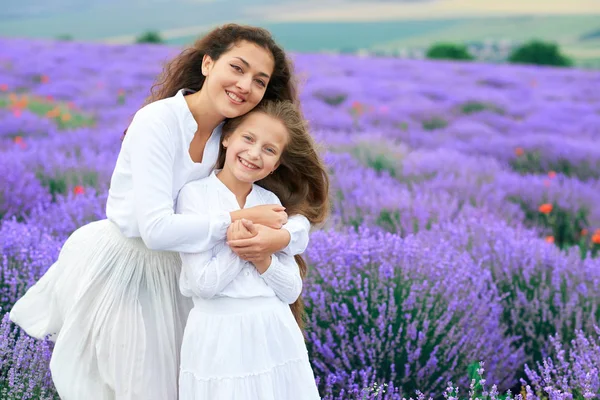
x=573, y=371
x=415, y=311
x=24, y=371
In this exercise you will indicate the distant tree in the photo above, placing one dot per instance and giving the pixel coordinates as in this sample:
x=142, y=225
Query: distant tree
x=449, y=51
x=539, y=53
x=65, y=37
x=149, y=37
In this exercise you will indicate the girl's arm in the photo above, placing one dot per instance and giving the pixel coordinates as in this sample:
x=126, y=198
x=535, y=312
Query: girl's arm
x=206, y=274
x=282, y=274
x=153, y=152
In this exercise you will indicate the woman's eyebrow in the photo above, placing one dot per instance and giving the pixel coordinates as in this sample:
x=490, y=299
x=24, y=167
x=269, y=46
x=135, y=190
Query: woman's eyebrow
x=248, y=66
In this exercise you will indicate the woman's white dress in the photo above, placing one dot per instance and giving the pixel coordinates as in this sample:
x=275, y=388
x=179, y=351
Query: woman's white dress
x=111, y=300
x=241, y=340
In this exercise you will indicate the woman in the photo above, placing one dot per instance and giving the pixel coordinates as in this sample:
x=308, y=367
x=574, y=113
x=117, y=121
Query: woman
x=111, y=301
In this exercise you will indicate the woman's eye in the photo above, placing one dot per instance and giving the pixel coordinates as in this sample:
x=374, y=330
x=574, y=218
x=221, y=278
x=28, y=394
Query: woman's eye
x=261, y=83
x=237, y=68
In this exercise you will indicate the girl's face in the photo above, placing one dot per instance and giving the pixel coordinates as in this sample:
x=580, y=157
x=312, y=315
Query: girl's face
x=255, y=147
x=237, y=81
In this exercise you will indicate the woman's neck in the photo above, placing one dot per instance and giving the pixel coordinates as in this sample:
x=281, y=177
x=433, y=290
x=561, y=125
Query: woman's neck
x=204, y=113
x=240, y=189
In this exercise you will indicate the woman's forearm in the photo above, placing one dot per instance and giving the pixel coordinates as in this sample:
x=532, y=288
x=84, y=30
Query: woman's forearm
x=283, y=239
x=239, y=214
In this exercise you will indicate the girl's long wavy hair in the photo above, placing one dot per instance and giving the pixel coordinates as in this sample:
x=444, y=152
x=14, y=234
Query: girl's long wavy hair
x=185, y=70
x=300, y=181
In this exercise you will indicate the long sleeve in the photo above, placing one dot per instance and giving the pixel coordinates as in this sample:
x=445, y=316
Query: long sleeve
x=283, y=276
x=153, y=151
x=299, y=228
x=206, y=274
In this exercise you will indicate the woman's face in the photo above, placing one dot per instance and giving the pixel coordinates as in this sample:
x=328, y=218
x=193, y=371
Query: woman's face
x=237, y=81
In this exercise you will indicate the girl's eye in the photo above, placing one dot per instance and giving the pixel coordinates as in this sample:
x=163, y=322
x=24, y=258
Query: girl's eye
x=248, y=138
x=271, y=150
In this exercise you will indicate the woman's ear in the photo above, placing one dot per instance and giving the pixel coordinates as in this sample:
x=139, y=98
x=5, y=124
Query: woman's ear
x=207, y=63
x=225, y=142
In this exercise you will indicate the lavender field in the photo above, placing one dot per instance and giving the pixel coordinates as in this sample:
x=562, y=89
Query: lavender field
x=462, y=257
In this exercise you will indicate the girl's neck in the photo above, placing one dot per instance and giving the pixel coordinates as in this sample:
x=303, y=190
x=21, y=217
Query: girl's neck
x=204, y=113
x=240, y=189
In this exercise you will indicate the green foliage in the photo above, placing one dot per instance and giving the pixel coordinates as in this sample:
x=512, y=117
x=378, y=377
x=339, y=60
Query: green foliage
x=539, y=53
x=150, y=37
x=62, y=181
x=565, y=226
x=377, y=160
x=532, y=162
x=449, y=51
x=434, y=123
x=472, y=107
x=65, y=37
x=332, y=100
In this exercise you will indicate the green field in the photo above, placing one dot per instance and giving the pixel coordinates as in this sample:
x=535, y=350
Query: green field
x=565, y=30
x=327, y=36
x=392, y=35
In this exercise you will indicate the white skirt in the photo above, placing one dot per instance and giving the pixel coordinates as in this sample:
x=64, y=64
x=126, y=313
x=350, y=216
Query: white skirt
x=114, y=309
x=244, y=349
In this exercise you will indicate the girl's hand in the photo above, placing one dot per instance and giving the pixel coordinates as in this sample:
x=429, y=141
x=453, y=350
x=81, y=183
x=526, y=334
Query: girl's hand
x=262, y=245
x=272, y=215
x=237, y=230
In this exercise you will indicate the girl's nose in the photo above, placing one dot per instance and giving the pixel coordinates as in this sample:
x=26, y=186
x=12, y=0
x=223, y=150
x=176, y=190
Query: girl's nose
x=254, y=152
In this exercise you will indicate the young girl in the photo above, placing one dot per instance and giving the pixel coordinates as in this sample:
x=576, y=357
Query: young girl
x=111, y=300
x=242, y=339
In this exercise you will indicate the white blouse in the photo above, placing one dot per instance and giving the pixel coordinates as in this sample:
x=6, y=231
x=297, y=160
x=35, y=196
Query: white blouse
x=152, y=167
x=219, y=272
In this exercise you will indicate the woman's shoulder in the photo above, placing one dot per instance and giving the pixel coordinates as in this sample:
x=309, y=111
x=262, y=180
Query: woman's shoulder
x=159, y=107
x=164, y=110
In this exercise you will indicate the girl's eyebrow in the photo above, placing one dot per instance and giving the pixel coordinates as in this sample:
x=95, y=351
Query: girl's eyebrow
x=269, y=144
x=248, y=66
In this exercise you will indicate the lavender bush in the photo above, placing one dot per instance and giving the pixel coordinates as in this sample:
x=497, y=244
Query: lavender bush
x=414, y=311
x=544, y=291
x=27, y=252
x=24, y=371
x=569, y=373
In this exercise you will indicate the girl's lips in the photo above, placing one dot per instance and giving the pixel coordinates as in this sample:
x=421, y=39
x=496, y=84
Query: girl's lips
x=244, y=164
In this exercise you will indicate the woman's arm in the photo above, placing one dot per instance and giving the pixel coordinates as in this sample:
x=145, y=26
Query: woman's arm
x=282, y=274
x=206, y=274
x=292, y=238
x=153, y=152
x=298, y=228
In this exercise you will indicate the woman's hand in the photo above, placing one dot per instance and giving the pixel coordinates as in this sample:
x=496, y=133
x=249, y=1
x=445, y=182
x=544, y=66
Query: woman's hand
x=272, y=215
x=264, y=242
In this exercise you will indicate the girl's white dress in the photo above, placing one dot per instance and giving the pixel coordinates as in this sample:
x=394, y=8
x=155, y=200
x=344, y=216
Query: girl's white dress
x=241, y=341
x=111, y=301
